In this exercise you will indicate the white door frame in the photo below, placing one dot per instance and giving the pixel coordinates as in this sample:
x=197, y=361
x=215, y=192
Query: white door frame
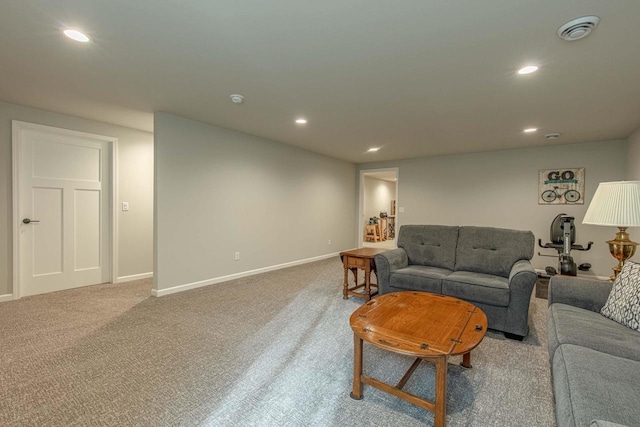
x=361, y=202
x=16, y=128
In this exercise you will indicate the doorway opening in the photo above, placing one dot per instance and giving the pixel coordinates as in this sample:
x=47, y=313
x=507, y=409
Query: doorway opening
x=378, y=221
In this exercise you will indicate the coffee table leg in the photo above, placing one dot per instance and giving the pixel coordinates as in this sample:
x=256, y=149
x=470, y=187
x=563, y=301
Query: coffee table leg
x=357, y=368
x=441, y=392
x=466, y=360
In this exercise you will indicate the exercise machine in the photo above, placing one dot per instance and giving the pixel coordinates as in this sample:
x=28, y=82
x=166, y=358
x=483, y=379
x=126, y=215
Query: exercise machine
x=563, y=239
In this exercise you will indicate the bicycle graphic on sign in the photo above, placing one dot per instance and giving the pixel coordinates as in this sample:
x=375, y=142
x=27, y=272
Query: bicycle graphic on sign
x=570, y=196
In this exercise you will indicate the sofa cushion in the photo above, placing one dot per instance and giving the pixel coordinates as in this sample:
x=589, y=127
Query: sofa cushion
x=592, y=385
x=492, y=250
x=419, y=278
x=623, y=304
x=567, y=324
x=478, y=287
x=433, y=245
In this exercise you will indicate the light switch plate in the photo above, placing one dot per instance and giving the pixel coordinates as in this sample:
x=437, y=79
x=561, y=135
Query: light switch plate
x=125, y=206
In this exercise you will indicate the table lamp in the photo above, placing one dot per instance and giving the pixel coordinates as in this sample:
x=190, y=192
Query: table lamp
x=617, y=204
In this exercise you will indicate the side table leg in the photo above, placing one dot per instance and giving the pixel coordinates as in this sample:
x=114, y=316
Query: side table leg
x=441, y=392
x=367, y=284
x=345, y=286
x=357, y=368
x=466, y=360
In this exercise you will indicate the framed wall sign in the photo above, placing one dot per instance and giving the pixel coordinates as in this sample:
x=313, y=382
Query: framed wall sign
x=561, y=187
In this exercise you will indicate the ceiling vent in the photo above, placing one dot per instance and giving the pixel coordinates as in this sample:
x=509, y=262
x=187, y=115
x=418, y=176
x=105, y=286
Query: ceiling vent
x=578, y=28
x=236, y=98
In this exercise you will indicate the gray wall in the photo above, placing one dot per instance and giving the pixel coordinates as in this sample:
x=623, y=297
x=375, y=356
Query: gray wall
x=633, y=160
x=220, y=191
x=135, y=183
x=499, y=189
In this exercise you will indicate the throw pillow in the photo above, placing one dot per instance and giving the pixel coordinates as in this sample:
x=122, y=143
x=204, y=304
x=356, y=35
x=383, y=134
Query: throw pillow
x=623, y=304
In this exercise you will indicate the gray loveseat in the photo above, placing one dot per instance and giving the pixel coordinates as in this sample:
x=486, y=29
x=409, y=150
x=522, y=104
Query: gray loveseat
x=488, y=267
x=595, y=362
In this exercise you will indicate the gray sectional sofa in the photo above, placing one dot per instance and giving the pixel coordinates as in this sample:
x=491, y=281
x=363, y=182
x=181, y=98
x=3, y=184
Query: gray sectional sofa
x=595, y=361
x=488, y=267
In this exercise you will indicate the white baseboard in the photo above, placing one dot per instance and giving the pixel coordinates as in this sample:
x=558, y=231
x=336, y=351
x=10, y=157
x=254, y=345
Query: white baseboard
x=207, y=282
x=7, y=297
x=134, y=277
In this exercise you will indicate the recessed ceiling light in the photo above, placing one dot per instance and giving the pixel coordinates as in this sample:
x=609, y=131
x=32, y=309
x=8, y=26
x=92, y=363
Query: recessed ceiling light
x=76, y=35
x=301, y=121
x=528, y=69
x=530, y=130
x=373, y=149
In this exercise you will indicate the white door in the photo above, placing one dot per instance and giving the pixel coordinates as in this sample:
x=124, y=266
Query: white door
x=64, y=209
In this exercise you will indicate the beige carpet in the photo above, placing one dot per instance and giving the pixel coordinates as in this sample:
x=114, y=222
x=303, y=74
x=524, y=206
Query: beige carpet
x=268, y=350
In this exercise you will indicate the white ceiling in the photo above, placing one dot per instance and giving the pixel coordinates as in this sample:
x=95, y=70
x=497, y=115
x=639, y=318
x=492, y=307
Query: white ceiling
x=415, y=77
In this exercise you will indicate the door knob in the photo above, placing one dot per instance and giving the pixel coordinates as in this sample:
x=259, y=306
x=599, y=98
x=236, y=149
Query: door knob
x=29, y=221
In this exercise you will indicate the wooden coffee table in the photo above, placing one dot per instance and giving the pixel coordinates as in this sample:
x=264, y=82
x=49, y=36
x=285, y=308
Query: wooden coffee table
x=420, y=324
x=363, y=259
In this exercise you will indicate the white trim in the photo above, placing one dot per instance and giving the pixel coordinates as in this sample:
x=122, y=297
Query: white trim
x=134, y=277
x=7, y=297
x=15, y=136
x=360, y=221
x=16, y=127
x=213, y=281
x=114, y=210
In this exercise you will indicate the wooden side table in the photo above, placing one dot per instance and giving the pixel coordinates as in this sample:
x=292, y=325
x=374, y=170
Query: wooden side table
x=362, y=259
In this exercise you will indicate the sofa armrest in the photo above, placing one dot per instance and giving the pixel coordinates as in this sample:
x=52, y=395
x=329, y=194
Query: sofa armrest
x=522, y=279
x=387, y=262
x=589, y=294
x=522, y=274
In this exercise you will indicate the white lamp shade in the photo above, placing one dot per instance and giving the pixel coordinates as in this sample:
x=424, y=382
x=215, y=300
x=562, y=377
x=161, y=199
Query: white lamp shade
x=616, y=204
